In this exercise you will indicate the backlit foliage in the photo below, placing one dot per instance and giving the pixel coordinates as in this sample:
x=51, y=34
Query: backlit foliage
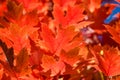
x=59, y=39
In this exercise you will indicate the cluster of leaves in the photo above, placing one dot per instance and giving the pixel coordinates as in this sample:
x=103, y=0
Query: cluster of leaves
x=59, y=39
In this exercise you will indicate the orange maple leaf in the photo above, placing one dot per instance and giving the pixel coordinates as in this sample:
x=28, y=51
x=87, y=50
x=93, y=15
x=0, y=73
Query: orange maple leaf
x=69, y=17
x=64, y=39
x=108, y=59
x=64, y=3
x=50, y=63
x=2, y=7
x=114, y=31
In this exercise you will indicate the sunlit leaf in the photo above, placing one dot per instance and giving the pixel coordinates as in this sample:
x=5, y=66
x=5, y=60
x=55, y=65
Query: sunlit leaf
x=52, y=64
x=69, y=17
x=108, y=59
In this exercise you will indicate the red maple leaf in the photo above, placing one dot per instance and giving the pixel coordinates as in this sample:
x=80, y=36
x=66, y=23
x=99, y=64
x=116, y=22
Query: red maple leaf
x=17, y=69
x=114, y=31
x=64, y=3
x=16, y=36
x=64, y=39
x=71, y=57
x=29, y=4
x=19, y=26
x=108, y=59
x=2, y=7
x=93, y=4
x=59, y=64
x=50, y=63
x=71, y=16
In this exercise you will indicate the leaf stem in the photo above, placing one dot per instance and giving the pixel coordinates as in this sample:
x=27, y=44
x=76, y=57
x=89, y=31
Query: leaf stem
x=101, y=75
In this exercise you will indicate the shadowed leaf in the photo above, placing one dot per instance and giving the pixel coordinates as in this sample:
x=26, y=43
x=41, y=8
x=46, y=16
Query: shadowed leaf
x=9, y=53
x=22, y=60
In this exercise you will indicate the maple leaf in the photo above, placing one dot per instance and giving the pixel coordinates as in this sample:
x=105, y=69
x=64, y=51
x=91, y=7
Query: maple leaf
x=114, y=32
x=108, y=59
x=36, y=54
x=92, y=5
x=71, y=57
x=2, y=7
x=5, y=77
x=67, y=39
x=64, y=3
x=65, y=57
x=22, y=61
x=30, y=5
x=62, y=64
x=56, y=49
x=72, y=15
x=49, y=40
x=15, y=15
x=13, y=35
x=16, y=32
x=63, y=39
x=9, y=64
x=30, y=19
x=75, y=62
x=14, y=11
x=98, y=20
x=82, y=25
x=50, y=63
x=9, y=53
x=59, y=18
x=8, y=69
x=21, y=66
